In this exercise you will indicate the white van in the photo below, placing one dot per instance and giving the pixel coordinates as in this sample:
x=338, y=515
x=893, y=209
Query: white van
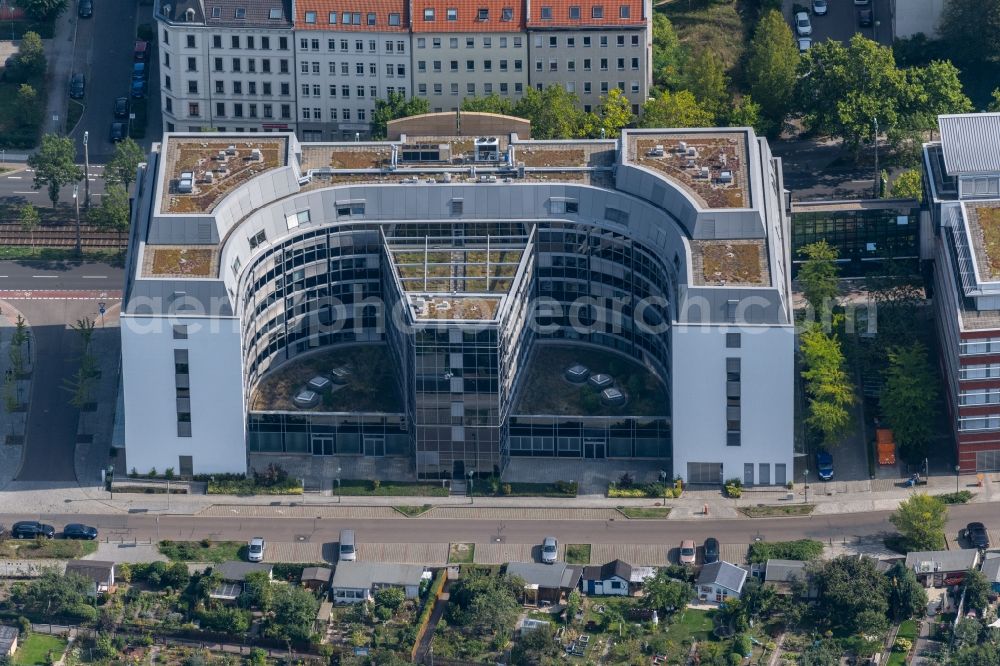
x=348, y=553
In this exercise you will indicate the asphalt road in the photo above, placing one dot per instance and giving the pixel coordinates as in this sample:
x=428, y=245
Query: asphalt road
x=423, y=530
x=16, y=188
x=104, y=53
x=841, y=20
x=60, y=275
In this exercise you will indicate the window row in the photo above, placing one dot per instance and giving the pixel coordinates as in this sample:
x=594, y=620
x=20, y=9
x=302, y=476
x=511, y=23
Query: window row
x=603, y=65
x=316, y=113
x=482, y=14
x=573, y=12
x=471, y=89
x=312, y=44
x=235, y=41
x=470, y=42
x=355, y=18
x=391, y=69
x=360, y=92
x=237, y=65
x=235, y=110
x=587, y=41
x=980, y=346
x=470, y=66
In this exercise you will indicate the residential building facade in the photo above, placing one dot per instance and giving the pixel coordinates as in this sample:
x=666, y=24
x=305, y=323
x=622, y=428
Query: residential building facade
x=348, y=54
x=962, y=186
x=446, y=308
x=468, y=50
x=591, y=48
x=226, y=65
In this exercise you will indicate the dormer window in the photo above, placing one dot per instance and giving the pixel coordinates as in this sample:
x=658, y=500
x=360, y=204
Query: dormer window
x=452, y=14
x=310, y=17
x=429, y=14
x=597, y=11
x=275, y=13
x=546, y=13
x=574, y=12
x=241, y=12
x=507, y=14
x=624, y=11
x=484, y=14
x=216, y=12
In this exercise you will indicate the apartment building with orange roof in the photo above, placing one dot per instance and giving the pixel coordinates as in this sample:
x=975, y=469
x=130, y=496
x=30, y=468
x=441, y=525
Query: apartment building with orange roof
x=348, y=54
x=591, y=47
x=468, y=48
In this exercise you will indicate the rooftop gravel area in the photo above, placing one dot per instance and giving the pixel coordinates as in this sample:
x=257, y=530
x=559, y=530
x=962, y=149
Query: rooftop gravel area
x=730, y=262
x=984, y=224
x=179, y=261
x=722, y=151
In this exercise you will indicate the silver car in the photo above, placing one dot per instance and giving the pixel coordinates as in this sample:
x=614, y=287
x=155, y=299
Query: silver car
x=255, y=549
x=550, y=550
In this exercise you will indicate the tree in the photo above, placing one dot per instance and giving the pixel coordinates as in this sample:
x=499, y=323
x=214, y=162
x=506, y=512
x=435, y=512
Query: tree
x=908, y=185
x=909, y=399
x=29, y=220
x=977, y=591
x=257, y=591
x=390, y=597
x=705, y=76
x=666, y=594
x=843, y=90
x=294, y=609
x=615, y=113
x=935, y=90
x=42, y=10
x=972, y=30
x=667, y=52
x=772, y=67
x=55, y=595
x=113, y=213
x=553, y=112
x=536, y=647
x=920, y=519
x=176, y=576
x=55, y=165
x=28, y=111
x=485, y=603
x=827, y=384
x=492, y=103
x=851, y=594
x=746, y=113
x=122, y=166
x=395, y=106
x=907, y=597
x=818, y=275
x=995, y=104
x=678, y=109
x=574, y=602
x=30, y=62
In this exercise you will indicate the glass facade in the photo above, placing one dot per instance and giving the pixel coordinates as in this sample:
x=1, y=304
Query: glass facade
x=321, y=434
x=860, y=236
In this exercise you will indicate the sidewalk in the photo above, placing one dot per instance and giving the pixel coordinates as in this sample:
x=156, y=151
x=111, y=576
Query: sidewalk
x=11, y=423
x=828, y=498
x=60, y=52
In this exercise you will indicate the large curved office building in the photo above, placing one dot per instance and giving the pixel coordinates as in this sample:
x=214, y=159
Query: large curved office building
x=440, y=304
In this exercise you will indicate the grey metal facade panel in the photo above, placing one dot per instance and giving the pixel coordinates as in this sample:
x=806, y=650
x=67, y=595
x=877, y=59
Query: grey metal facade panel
x=709, y=305
x=970, y=142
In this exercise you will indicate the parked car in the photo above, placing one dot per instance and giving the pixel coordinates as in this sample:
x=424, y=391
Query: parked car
x=78, y=531
x=121, y=107
x=77, y=86
x=139, y=71
x=86, y=8
x=805, y=43
x=346, y=547
x=824, y=465
x=138, y=89
x=803, y=26
x=864, y=17
x=687, y=552
x=711, y=550
x=550, y=550
x=255, y=550
x=976, y=535
x=861, y=2
x=140, y=52
x=819, y=7
x=117, y=133
x=31, y=529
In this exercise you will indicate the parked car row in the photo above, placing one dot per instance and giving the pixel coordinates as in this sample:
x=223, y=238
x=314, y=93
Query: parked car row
x=32, y=529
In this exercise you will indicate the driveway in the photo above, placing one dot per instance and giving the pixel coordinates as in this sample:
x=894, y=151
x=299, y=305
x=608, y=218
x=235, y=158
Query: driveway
x=104, y=52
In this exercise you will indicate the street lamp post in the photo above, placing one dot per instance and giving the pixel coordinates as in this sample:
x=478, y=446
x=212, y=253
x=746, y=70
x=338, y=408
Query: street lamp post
x=86, y=171
x=339, y=496
x=878, y=175
x=76, y=200
x=472, y=492
x=805, y=485
x=958, y=471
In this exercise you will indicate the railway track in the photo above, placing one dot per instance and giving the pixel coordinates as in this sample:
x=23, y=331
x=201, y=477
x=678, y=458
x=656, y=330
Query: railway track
x=60, y=236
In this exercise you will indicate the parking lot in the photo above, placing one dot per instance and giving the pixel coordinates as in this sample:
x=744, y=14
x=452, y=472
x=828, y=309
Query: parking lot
x=841, y=20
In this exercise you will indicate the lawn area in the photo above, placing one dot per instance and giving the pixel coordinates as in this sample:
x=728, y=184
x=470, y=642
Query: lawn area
x=60, y=549
x=461, y=553
x=412, y=510
x=578, y=553
x=705, y=25
x=362, y=487
x=202, y=551
x=692, y=623
x=767, y=511
x=645, y=512
x=35, y=649
x=909, y=631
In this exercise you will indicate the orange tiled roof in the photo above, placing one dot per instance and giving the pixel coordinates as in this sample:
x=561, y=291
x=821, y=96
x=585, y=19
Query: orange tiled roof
x=581, y=13
x=499, y=16
x=320, y=10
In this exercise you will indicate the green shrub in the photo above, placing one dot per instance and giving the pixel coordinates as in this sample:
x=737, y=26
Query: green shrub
x=960, y=497
x=168, y=473
x=734, y=491
x=506, y=489
x=903, y=645
x=803, y=549
x=376, y=484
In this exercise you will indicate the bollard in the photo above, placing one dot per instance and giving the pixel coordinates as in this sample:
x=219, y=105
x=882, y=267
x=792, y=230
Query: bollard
x=705, y=510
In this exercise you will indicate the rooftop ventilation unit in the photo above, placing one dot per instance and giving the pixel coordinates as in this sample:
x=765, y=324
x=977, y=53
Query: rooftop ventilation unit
x=682, y=147
x=487, y=149
x=256, y=155
x=656, y=151
x=726, y=177
x=185, y=184
x=231, y=150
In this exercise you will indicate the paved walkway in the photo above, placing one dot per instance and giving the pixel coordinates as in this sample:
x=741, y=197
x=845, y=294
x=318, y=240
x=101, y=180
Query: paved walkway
x=60, y=52
x=12, y=424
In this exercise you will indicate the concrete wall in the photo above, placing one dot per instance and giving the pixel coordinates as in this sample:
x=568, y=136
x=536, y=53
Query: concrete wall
x=448, y=124
x=699, y=398
x=218, y=422
x=917, y=16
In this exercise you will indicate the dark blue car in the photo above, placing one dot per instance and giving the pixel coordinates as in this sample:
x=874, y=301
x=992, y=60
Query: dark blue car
x=138, y=89
x=824, y=465
x=78, y=531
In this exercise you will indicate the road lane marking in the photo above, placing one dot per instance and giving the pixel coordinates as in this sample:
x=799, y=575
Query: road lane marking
x=94, y=277
x=13, y=177
x=45, y=276
x=31, y=192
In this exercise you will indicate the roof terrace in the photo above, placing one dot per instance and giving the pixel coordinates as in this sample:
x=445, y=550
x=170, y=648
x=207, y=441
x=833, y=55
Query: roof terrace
x=186, y=261
x=730, y=262
x=198, y=174
x=453, y=307
x=984, y=225
x=457, y=270
x=710, y=166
